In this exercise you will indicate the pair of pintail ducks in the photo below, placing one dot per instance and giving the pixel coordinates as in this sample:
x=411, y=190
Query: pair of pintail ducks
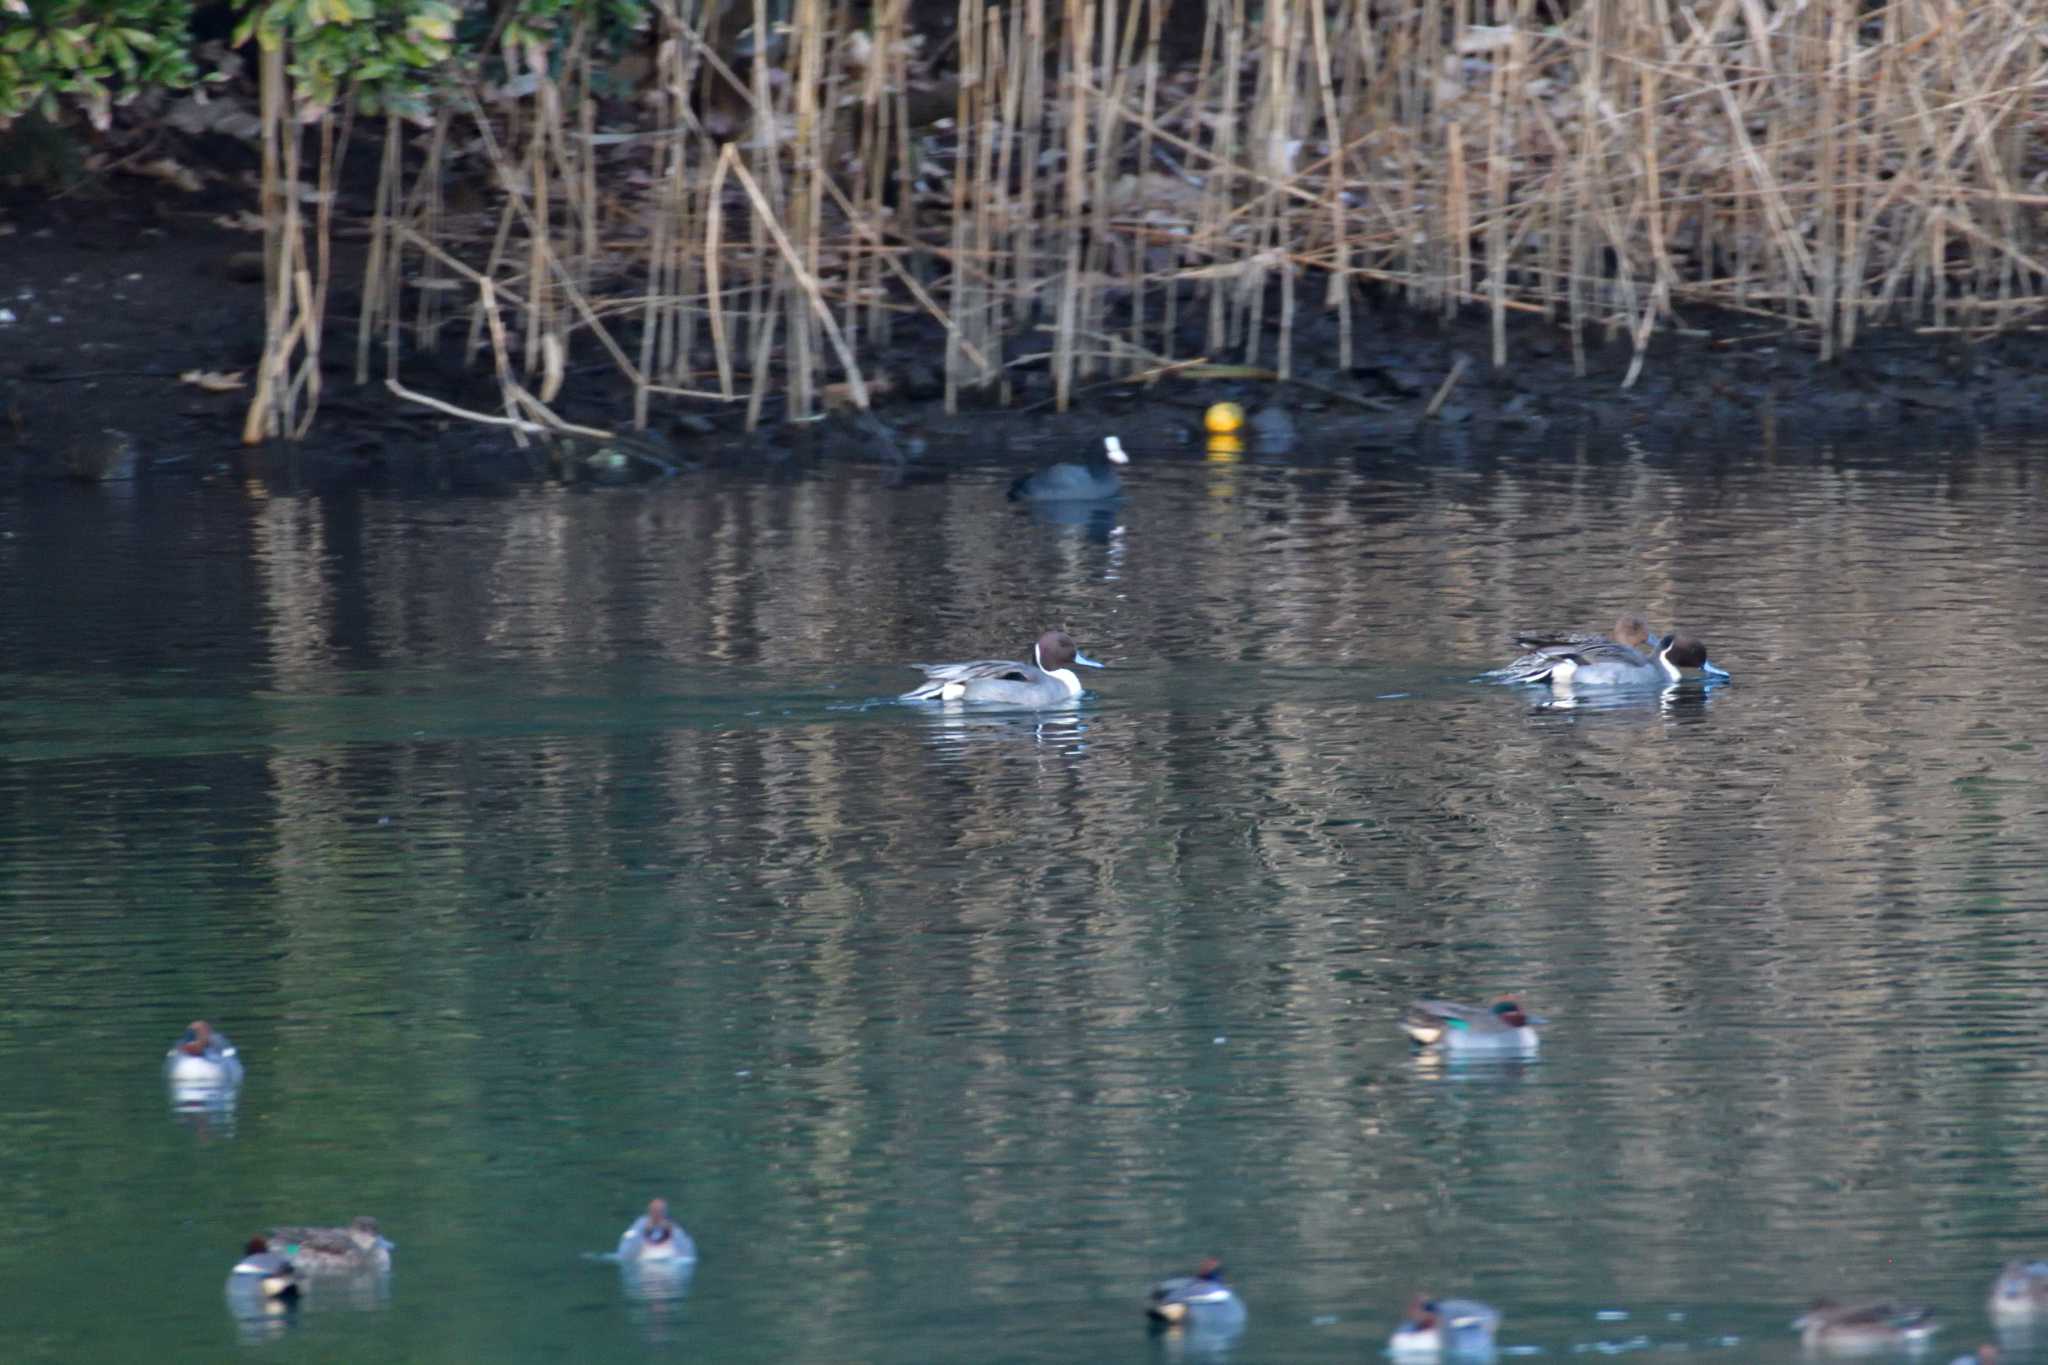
x=1630, y=658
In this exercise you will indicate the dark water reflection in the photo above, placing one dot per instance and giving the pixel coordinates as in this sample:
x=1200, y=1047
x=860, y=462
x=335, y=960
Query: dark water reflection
x=549, y=851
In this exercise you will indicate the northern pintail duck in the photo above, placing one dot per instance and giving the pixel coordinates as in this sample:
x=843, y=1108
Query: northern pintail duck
x=1199, y=1304
x=2020, y=1293
x=356, y=1249
x=1859, y=1328
x=1047, y=680
x=203, y=1057
x=1542, y=648
x=263, y=1275
x=655, y=1236
x=1076, y=482
x=1500, y=1027
x=1605, y=663
x=1459, y=1328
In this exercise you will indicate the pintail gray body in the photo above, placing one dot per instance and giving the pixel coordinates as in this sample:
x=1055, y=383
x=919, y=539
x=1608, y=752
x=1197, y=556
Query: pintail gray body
x=1600, y=662
x=1544, y=648
x=1047, y=680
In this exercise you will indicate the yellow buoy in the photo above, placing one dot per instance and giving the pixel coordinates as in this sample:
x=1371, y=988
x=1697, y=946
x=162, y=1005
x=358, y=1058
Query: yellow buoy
x=1223, y=418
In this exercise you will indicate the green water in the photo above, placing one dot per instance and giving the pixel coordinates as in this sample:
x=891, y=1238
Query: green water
x=545, y=851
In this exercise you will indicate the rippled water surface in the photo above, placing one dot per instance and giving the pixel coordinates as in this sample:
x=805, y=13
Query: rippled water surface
x=546, y=851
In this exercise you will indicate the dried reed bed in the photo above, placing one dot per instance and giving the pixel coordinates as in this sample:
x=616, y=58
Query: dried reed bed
x=1053, y=183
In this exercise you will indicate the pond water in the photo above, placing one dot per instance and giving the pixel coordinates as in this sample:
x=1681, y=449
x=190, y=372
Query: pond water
x=544, y=851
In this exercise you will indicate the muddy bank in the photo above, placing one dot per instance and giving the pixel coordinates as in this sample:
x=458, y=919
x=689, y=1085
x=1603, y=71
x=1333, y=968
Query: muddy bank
x=107, y=304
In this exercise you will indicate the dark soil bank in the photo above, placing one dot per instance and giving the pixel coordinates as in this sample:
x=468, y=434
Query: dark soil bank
x=104, y=305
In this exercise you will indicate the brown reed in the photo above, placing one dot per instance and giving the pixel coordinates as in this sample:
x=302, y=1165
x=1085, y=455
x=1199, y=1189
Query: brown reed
x=763, y=220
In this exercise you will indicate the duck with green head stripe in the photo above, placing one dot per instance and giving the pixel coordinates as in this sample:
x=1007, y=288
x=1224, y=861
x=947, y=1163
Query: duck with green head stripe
x=1502, y=1027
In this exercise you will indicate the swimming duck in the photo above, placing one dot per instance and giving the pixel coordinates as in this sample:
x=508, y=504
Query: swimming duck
x=1544, y=648
x=654, y=1236
x=1047, y=680
x=356, y=1249
x=203, y=1057
x=1501, y=1027
x=1986, y=1354
x=1074, y=482
x=1854, y=1329
x=2020, y=1293
x=1199, y=1303
x=1607, y=664
x=263, y=1275
x=1460, y=1328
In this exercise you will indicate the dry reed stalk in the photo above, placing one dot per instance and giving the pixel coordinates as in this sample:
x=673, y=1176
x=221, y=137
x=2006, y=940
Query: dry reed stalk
x=660, y=298
x=1220, y=185
x=279, y=216
x=1824, y=166
x=1026, y=283
x=1338, y=295
x=1118, y=37
x=1012, y=291
x=714, y=255
x=311, y=288
x=1080, y=15
x=1138, y=276
x=968, y=36
x=1272, y=150
x=808, y=285
x=1449, y=290
x=427, y=209
x=520, y=426
x=585, y=161
x=549, y=280
x=991, y=201
x=878, y=105
x=537, y=205
x=1497, y=140
x=380, y=266
x=890, y=261
x=806, y=196
x=1820, y=34
x=521, y=407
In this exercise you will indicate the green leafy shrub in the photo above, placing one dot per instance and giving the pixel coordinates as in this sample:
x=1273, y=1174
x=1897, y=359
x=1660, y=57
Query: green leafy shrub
x=90, y=55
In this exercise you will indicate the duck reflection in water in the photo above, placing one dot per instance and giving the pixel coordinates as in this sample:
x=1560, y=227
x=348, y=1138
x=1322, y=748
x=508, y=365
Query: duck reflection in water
x=1097, y=521
x=953, y=729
